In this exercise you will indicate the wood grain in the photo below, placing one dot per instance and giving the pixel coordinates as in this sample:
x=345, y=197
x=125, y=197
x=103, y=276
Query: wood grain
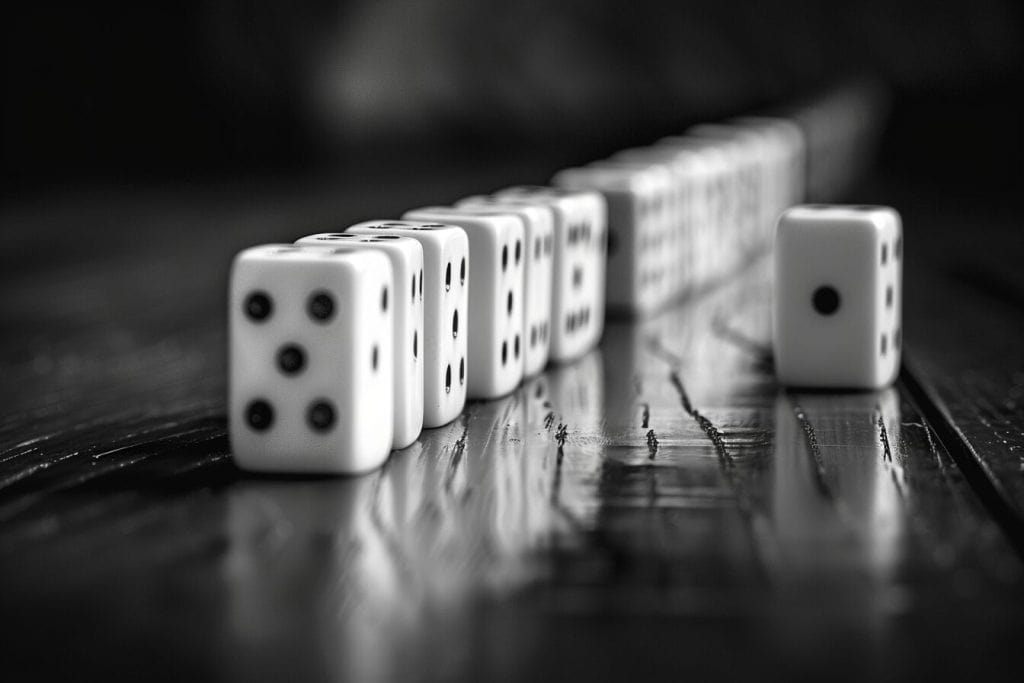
x=659, y=509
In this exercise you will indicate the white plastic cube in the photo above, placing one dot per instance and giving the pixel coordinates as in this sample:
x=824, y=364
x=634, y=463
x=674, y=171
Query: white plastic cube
x=406, y=257
x=310, y=360
x=578, y=291
x=445, y=311
x=539, y=221
x=838, y=296
x=496, y=251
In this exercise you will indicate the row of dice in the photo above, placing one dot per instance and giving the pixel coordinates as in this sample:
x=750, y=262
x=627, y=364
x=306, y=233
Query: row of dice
x=692, y=208
x=345, y=345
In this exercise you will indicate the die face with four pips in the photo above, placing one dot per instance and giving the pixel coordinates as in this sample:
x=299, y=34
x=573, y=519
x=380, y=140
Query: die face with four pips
x=838, y=296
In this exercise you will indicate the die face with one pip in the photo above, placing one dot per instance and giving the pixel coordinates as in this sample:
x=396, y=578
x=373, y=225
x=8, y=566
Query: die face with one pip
x=581, y=248
x=539, y=223
x=310, y=360
x=497, y=253
x=406, y=257
x=838, y=296
x=445, y=311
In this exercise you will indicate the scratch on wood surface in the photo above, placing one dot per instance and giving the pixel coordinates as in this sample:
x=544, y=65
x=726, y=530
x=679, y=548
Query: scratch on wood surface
x=884, y=436
x=561, y=434
x=814, y=451
x=709, y=429
x=652, y=444
x=645, y=420
x=458, y=448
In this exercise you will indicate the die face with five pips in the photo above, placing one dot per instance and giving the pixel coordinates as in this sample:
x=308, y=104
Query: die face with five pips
x=311, y=359
x=838, y=296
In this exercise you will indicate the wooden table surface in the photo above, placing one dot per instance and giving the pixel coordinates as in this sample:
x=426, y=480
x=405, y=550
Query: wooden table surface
x=661, y=509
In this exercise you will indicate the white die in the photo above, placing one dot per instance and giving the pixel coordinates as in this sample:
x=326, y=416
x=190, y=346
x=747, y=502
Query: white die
x=711, y=181
x=688, y=178
x=838, y=296
x=310, y=360
x=539, y=223
x=406, y=256
x=788, y=158
x=445, y=312
x=497, y=253
x=581, y=239
x=639, y=200
x=721, y=244
x=751, y=235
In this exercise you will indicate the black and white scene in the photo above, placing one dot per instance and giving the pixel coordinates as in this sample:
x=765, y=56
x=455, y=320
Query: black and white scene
x=385, y=340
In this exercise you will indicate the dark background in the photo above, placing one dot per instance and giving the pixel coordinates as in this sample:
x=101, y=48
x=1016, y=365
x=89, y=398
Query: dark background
x=201, y=89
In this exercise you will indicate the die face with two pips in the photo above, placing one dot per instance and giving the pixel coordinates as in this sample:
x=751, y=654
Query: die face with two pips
x=445, y=285
x=310, y=360
x=838, y=296
x=406, y=257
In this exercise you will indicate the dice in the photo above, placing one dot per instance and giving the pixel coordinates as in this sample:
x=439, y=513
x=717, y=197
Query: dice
x=838, y=298
x=715, y=207
x=406, y=257
x=581, y=248
x=788, y=159
x=640, y=199
x=746, y=153
x=445, y=311
x=497, y=252
x=539, y=223
x=684, y=259
x=310, y=360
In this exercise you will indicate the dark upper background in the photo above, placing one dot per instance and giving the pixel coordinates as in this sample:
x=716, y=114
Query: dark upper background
x=204, y=89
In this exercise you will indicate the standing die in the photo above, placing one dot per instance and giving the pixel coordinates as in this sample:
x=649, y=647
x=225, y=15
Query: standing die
x=445, y=311
x=838, y=296
x=581, y=247
x=310, y=360
x=406, y=257
x=640, y=200
x=539, y=223
x=496, y=249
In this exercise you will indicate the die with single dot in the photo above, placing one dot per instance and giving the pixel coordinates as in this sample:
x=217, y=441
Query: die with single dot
x=838, y=296
x=311, y=361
